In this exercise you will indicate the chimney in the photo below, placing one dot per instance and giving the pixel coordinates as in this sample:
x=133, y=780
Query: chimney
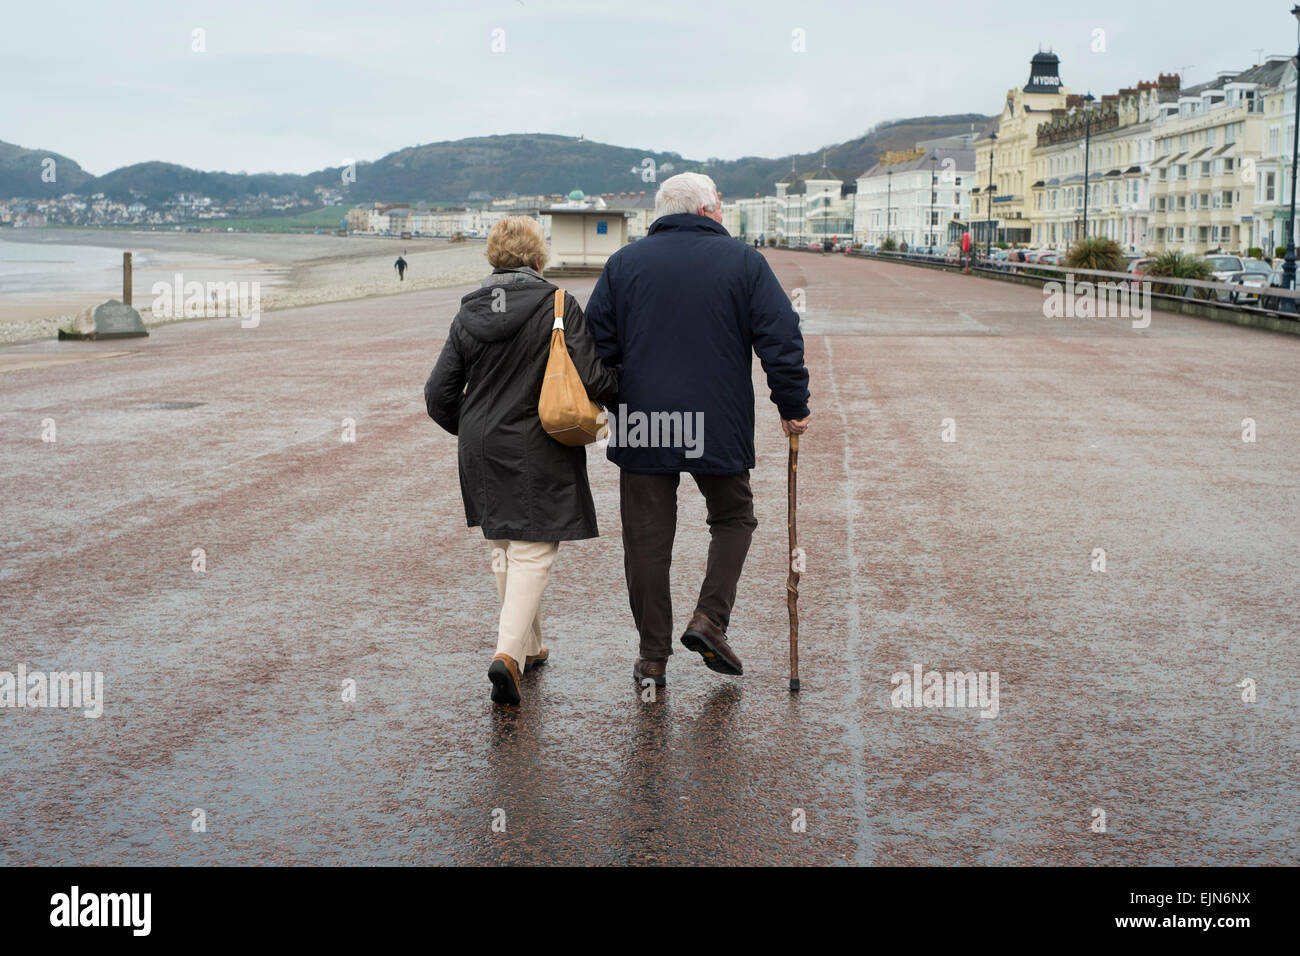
x=1169, y=81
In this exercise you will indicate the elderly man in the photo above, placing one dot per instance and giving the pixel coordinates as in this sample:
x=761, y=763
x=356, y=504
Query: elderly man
x=683, y=311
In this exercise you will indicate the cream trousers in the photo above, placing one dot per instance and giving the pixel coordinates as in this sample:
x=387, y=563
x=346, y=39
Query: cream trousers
x=522, y=569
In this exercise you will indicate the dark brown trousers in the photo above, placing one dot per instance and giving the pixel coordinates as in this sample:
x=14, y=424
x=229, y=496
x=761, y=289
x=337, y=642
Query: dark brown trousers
x=649, y=509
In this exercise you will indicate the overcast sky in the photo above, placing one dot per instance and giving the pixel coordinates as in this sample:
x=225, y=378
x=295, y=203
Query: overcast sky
x=294, y=86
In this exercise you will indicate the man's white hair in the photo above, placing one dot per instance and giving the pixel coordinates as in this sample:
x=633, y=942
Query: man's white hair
x=686, y=192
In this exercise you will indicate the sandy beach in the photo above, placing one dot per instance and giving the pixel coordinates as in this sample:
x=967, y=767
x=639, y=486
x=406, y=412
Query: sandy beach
x=291, y=270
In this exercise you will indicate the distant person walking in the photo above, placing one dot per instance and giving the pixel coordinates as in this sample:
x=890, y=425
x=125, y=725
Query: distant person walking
x=683, y=311
x=527, y=491
x=400, y=266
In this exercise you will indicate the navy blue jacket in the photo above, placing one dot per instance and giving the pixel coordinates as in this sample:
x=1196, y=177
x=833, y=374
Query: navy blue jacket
x=683, y=311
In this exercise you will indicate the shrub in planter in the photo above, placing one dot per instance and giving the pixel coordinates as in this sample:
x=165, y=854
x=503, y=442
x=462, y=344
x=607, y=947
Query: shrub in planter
x=1096, y=253
x=1179, y=265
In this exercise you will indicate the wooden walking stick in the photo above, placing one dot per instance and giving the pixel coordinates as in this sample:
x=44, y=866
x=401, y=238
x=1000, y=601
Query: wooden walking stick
x=796, y=564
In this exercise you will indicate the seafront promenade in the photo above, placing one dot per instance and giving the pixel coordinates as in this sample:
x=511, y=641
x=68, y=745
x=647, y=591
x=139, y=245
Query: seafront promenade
x=201, y=532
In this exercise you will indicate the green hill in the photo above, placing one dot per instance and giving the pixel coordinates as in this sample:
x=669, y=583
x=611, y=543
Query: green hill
x=745, y=177
x=520, y=163
x=21, y=169
x=158, y=181
x=477, y=168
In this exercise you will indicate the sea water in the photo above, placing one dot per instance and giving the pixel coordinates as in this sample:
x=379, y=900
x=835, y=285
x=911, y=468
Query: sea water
x=45, y=268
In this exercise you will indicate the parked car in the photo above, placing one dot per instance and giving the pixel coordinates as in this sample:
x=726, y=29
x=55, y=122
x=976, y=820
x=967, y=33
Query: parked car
x=1138, y=266
x=1254, y=275
x=1273, y=302
x=1225, y=267
x=998, y=259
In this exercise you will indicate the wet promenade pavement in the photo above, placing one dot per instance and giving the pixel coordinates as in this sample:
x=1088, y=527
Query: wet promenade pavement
x=328, y=561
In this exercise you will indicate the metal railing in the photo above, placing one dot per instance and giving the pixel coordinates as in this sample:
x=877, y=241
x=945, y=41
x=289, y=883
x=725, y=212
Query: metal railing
x=1169, y=287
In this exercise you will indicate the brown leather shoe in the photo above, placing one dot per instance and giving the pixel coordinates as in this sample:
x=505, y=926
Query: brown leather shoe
x=538, y=659
x=656, y=671
x=504, y=675
x=710, y=642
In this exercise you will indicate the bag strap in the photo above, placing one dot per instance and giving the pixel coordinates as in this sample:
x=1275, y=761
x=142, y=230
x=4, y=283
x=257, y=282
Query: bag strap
x=559, y=311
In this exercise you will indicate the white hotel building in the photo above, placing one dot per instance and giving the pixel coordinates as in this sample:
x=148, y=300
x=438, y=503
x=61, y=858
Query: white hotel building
x=913, y=196
x=1118, y=130
x=1271, y=190
x=815, y=206
x=1208, y=150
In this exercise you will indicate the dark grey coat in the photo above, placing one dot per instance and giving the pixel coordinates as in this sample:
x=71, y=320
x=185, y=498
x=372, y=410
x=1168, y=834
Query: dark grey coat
x=517, y=481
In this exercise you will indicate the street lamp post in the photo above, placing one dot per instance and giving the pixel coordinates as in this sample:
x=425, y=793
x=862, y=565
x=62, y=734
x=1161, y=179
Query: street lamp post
x=1087, y=156
x=1288, y=262
x=988, y=225
x=889, y=200
x=853, y=217
x=934, y=191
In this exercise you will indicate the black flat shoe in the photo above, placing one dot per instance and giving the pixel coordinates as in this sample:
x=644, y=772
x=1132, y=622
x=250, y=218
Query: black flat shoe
x=504, y=675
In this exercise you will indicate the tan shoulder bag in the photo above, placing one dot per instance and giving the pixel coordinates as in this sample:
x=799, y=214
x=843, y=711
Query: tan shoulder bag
x=567, y=414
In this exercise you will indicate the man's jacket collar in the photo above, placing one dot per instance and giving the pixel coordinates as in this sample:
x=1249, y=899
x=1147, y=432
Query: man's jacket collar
x=686, y=222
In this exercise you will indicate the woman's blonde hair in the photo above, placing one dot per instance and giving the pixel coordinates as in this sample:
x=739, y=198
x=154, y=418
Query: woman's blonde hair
x=516, y=241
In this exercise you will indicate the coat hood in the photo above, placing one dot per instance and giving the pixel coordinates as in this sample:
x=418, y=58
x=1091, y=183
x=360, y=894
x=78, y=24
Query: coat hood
x=506, y=300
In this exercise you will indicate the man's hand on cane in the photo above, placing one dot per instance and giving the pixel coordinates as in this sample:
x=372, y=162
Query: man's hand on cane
x=796, y=426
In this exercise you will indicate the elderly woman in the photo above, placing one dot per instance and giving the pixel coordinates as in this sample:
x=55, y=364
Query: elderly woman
x=527, y=491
